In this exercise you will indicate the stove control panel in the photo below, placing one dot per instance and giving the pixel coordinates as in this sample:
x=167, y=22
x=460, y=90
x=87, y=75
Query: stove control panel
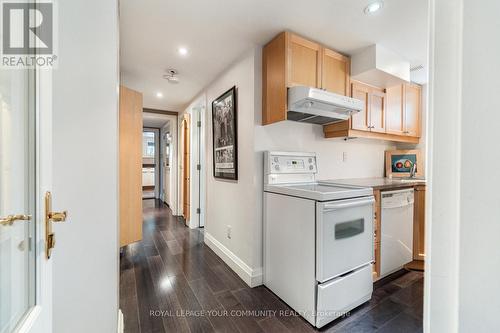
x=290, y=163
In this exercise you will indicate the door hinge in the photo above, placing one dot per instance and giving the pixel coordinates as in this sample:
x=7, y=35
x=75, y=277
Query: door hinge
x=198, y=123
x=198, y=211
x=198, y=166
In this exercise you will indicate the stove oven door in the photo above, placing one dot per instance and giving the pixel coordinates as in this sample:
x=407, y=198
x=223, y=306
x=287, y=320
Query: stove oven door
x=344, y=236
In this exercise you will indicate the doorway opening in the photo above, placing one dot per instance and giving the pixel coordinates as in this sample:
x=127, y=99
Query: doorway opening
x=159, y=161
x=149, y=163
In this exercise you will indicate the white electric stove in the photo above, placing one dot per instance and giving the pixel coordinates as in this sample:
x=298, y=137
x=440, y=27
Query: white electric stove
x=318, y=239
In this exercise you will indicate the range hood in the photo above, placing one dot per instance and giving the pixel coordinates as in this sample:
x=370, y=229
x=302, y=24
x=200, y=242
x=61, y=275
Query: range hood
x=316, y=106
x=380, y=67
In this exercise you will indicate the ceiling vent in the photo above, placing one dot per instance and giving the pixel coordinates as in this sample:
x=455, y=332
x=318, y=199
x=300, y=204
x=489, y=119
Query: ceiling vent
x=416, y=68
x=380, y=67
x=171, y=75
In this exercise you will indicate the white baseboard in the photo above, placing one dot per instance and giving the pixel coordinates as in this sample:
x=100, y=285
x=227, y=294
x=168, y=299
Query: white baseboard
x=252, y=277
x=121, y=327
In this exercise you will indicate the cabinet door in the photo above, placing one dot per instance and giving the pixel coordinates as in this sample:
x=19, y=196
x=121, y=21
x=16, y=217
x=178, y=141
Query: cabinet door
x=335, y=72
x=412, y=109
x=395, y=110
x=377, y=110
x=304, y=62
x=360, y=120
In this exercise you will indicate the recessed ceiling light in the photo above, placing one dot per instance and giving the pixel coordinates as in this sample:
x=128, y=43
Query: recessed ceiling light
x=374, y=7
x=159, y=95
x=182, y=51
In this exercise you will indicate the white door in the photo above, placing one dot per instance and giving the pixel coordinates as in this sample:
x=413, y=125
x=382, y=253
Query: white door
x=344, y=236
x=25, y=164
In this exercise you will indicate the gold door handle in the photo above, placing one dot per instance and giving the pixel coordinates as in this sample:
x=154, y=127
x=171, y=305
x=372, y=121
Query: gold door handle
x=9, y=220
x=50, y=216
x=57, y=217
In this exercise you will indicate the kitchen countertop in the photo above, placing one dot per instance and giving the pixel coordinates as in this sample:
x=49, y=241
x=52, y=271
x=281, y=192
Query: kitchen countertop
x=380, y=183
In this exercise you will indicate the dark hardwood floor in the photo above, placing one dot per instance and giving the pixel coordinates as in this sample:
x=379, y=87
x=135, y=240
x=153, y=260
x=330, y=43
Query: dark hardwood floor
x=172, y=282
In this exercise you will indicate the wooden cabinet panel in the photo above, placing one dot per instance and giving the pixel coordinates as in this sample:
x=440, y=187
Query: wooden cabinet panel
x=274, y=93
x=304, y=62
x=393, y=114
x=130, y=148
x=372, y=117
x=412, y=109
x=377, y=111
x=335, y=72
x=395, y=110
x=361, y=120
x=419, y=224
x=403, y=110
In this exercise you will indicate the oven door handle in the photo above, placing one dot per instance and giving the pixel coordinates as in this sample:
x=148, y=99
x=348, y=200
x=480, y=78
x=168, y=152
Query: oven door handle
x=348, y=204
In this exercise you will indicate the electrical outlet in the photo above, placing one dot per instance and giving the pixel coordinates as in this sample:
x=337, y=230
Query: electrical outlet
x=344, y=156
x=228, y=232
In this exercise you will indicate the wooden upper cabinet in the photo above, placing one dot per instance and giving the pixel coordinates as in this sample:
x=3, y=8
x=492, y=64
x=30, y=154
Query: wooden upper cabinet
x=290, y=60
x=412, y=101
x=377, y=110
x=304, y=61
x=403, y=110
x=395, y=110
x=391, y=114
x=335, y=72
x=361, y=120
x=372, y=117
x=274, y=80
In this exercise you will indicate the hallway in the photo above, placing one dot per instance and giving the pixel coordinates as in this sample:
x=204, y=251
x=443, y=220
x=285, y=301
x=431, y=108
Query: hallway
x=172, y=282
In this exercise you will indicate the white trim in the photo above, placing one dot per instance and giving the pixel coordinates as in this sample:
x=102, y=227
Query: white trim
x=29, y=320
x=194, y=188
x=251, y=276
x=120, y=326
x=441, y=297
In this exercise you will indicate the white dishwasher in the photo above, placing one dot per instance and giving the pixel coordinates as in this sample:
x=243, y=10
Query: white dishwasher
x=396, y=244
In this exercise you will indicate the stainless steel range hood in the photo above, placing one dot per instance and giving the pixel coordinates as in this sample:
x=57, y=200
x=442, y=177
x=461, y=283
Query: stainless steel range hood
x=316, y=106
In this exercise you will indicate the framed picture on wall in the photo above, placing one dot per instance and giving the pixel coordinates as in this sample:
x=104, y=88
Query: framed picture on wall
x=398, y=163
x=225, y=135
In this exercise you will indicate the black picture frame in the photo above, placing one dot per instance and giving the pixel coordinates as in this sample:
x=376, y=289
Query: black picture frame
x=225, y=135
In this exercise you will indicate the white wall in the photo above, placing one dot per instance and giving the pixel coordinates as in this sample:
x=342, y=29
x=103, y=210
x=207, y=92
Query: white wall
x=239, y=204
x=234, y=202
x=442, y=217
x=479, y=284
x=462, y=274
x=85, y=151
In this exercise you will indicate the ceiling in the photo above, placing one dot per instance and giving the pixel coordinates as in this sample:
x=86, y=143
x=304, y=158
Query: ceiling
x=218, y=32
x=155, y=120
